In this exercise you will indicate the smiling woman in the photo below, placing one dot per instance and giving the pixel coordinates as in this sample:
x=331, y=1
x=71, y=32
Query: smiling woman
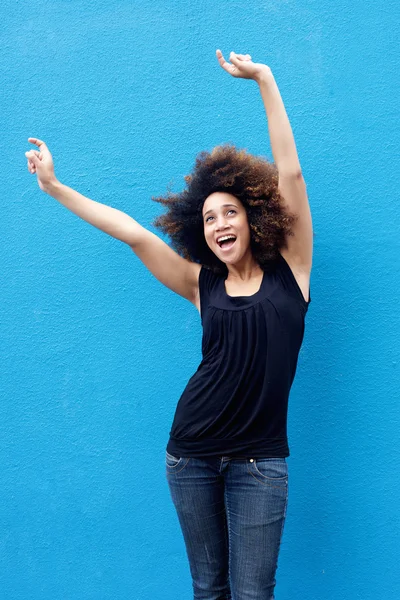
x=227, y=233
x=242, y=238
x=247, y=223
x=247, y=182
x=250, y=185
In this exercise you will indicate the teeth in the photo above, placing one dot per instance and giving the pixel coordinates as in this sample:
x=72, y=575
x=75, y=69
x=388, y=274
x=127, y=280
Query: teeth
x=226, y=237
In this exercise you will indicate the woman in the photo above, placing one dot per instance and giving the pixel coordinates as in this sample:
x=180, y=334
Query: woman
x=242, y=232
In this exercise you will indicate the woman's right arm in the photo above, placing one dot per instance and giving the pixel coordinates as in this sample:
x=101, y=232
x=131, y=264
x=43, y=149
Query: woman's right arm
x=175, y=272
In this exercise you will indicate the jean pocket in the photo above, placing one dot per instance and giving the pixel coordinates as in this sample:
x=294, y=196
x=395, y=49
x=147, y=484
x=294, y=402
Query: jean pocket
x=270, y=469
x=171, y=461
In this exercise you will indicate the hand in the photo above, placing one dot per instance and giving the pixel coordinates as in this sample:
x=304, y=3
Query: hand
x=242, y=66
x=41, y=162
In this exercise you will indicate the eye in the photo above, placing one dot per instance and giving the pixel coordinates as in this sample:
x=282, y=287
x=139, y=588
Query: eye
x=227, y=212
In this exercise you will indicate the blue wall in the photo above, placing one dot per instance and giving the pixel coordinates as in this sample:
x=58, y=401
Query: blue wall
x=95, y=352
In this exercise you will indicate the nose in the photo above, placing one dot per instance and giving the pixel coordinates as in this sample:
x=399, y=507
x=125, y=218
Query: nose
x=221, y=222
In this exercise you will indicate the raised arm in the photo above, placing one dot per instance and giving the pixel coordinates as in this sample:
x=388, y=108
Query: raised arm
x=175, y=272
x=291, y=182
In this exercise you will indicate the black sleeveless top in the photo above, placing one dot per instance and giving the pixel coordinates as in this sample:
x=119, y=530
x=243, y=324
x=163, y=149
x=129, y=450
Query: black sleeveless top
x=236, y=402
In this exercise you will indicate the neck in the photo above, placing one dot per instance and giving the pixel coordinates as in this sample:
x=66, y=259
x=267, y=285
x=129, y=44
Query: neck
x=245, y=270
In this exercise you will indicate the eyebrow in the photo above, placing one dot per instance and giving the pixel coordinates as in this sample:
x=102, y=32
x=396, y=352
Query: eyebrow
x=223, y=206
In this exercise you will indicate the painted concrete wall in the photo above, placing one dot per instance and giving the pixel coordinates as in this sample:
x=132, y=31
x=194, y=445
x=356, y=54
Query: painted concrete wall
x=95, y=352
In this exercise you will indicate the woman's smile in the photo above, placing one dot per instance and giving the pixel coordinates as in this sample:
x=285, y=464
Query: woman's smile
x=225, y=225
x=226, y=242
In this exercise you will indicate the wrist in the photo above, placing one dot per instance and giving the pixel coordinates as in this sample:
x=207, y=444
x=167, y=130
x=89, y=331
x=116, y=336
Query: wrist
x=52, y=186
x=264, y=75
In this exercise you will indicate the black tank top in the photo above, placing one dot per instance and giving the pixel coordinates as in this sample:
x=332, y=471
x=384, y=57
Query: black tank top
x=236, y=402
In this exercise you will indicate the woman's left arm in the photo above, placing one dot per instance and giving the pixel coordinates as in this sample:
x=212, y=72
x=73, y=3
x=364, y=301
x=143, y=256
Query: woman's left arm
x=291, y=182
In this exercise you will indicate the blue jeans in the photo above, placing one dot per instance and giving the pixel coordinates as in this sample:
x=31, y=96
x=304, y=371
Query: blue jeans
x=231, y=512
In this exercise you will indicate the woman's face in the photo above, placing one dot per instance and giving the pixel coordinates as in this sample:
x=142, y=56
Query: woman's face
x=223, y=215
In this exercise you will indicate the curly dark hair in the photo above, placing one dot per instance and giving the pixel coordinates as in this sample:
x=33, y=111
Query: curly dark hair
x=251, y=179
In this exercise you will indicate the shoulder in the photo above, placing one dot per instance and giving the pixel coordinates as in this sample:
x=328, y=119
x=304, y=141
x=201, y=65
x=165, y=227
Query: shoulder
x=300, y=273
x=207, y=280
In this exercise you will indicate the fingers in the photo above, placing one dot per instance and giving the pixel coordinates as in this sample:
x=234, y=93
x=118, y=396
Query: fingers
x=31, y=167
x=37, y=142
x=240, y=56
x=33, y=157
x=234, y=59
x=234, y=54
x=224, y=64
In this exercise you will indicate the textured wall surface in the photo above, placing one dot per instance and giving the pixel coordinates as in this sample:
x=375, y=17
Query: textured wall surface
x=95, y=352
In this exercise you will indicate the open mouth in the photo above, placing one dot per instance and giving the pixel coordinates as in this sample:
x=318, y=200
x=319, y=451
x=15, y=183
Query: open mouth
x=225, y=242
